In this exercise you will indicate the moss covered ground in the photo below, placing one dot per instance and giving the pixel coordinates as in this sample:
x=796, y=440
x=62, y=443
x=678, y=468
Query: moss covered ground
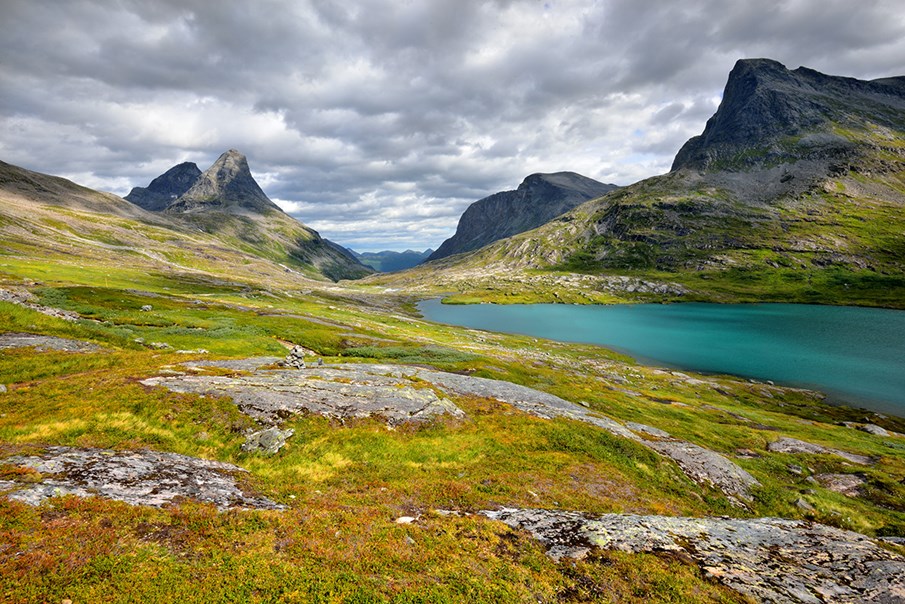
x=345, y=483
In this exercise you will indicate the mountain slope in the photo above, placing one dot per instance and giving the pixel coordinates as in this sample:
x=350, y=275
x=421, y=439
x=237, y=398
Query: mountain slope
x=539, y=199
x=225, y=200
x=54, y=226
x=795, y=191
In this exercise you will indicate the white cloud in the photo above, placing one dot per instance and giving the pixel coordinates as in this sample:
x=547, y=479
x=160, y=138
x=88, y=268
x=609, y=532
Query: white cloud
x=378, y=121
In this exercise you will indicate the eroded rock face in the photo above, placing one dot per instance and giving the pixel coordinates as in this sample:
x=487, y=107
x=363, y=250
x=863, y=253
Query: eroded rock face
x=44, y=343
x=769, y=559
x=136, y=477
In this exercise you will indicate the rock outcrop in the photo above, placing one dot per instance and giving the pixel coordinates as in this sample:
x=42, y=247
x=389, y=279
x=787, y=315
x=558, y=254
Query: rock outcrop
x=227, y=185
x=793, y=445
x=339, y=391
x=539, y=199
x=769, y=559
x=166, y=188
x=391, y=392
x=26, y=299
x=268, y=441
x=45, y=343
x=137, y=477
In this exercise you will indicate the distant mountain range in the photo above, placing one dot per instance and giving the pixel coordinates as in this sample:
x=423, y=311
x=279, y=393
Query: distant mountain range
x=794, y=191
x=389, y=261
x=539, y=199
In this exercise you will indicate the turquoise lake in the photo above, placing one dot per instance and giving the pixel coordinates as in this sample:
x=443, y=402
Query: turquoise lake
x=854, y=355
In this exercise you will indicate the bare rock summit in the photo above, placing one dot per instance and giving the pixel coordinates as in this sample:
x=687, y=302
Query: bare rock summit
x=226, y=185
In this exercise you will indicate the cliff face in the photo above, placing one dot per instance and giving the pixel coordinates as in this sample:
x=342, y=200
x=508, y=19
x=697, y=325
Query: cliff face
x=166, y=188
x=770, y=114
x=539, y=199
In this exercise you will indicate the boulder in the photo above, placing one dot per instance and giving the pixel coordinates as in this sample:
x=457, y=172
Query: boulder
x=267, y=441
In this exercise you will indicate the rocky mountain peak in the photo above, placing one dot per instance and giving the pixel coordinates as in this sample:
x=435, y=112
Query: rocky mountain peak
x=166, y=188
x=770, y=114
x=539, y=199
x=226, y=185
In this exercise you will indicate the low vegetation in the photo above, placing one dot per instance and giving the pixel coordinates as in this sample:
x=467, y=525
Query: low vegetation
x=345, y=484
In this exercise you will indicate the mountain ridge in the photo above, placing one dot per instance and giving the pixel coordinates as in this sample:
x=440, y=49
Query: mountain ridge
x=388, y=261
x=166, y=188
x=538, y=199
x=227, y=201
x=796, y=211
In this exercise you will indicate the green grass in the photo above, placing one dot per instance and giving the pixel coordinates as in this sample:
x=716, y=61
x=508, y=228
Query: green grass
x=345, y=484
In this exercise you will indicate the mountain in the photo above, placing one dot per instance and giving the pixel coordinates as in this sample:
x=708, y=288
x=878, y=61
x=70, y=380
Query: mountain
x=49, y=220
x=770, y=114
x=166, y=188
x=389, y=261
x=539, y=199
x=225, y=200
x=227, y=185
x=795, y=191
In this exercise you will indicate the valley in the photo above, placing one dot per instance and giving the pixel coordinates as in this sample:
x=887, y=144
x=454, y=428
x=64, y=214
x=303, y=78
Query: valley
x=202, y=399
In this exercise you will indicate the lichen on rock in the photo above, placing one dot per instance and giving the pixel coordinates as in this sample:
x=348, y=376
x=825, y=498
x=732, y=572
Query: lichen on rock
x=150, y=478
x=769, y=559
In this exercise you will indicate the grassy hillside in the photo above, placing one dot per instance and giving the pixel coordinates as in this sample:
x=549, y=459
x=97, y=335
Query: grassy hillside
x=795, y=192
x=346, y=483
x=44, y=219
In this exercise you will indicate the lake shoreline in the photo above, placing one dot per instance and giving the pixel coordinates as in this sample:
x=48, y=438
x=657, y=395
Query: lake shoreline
x=855, y=373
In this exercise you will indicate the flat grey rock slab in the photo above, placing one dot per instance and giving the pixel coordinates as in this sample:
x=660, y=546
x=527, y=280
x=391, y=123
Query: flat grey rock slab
x=45, y=343
x=238, y=364
x=339, y=391
x=769, y=559
x=137, y=477
x=358, y=389
x=793, y=445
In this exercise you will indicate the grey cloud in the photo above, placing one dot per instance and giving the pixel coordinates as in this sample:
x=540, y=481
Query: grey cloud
x=379, y=121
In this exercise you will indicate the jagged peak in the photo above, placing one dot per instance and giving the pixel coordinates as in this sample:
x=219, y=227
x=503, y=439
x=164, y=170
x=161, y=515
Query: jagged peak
x=165, y=188
x=765, y=105
x=227, y=185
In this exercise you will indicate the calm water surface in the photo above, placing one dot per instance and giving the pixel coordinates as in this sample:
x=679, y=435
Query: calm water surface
x=856, y=355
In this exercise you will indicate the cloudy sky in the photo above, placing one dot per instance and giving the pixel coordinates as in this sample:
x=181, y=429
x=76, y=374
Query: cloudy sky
x=378, y=121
